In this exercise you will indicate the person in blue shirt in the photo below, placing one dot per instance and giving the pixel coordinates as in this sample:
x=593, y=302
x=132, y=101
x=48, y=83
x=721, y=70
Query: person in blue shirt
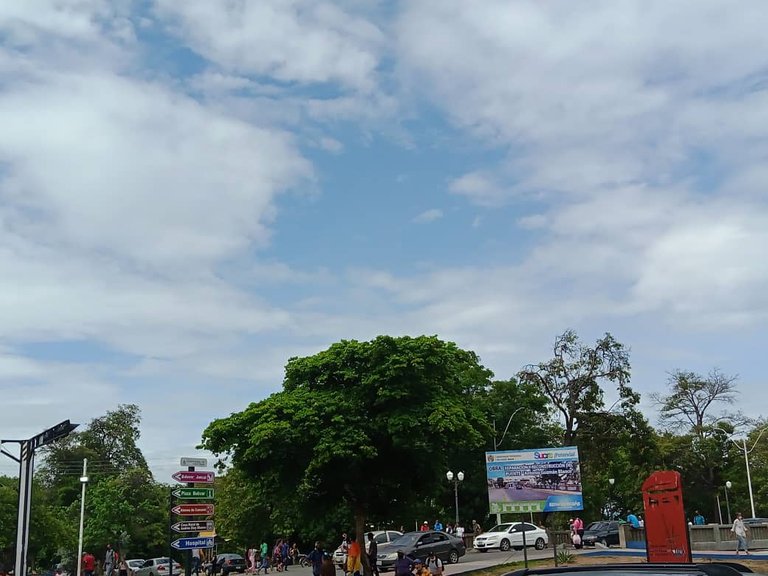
x=698, y=519
x=316, y=558
x=438, y=527
x=633, y=520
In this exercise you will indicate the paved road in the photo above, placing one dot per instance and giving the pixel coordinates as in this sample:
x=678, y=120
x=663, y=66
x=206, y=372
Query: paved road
x=470, y=561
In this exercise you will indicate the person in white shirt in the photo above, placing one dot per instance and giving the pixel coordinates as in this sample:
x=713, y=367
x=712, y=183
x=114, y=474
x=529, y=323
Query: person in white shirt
x=741, y=533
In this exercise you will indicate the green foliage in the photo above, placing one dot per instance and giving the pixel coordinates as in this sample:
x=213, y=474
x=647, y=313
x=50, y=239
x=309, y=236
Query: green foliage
x=571, y=379
x=362, y=425
x=564, y=557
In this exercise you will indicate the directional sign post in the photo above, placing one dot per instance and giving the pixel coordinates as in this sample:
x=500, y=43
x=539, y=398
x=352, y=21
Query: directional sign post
x=193, y=509
x=193, y=526
x=194, y=477
x=193, y=493
x=191, y=543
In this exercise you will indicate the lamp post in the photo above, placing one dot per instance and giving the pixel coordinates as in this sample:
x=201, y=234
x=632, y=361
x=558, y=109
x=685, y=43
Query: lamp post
x=727, y=503
x=455, y=478
x=83, y=482
x=742, y=443
x=611, y=482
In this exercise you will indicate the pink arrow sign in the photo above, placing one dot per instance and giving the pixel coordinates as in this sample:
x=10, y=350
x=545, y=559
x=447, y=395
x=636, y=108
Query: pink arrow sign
x=201, y=477
x=193, y=509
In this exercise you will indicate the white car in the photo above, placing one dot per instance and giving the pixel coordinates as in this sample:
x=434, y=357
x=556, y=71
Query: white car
x=510, y=535
x=379, y=536
x=158, y=567
x=134, y=564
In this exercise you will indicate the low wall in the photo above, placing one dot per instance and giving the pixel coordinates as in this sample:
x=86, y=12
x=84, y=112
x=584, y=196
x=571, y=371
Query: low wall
x=707, y=537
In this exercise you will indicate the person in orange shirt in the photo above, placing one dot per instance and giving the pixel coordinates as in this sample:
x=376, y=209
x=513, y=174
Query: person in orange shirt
x=354, y=563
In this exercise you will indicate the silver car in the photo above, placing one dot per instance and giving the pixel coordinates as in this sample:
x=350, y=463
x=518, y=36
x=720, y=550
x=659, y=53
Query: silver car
x=157, y=567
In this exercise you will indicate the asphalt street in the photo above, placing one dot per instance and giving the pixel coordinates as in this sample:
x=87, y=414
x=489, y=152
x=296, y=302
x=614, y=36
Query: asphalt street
x=470, y=561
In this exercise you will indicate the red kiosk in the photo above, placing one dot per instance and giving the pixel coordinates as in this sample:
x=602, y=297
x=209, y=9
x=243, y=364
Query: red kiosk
x=666, y=530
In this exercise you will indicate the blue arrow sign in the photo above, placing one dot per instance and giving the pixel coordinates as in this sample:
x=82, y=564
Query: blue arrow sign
x=190, y=543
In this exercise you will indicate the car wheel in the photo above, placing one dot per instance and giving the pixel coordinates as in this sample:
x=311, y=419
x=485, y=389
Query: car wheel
x=453, y=557
x=505, y=545
x=540, y=544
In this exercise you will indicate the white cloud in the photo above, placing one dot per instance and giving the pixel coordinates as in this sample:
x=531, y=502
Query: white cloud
x=478, y=187
x=291, y=41
x=428, y=216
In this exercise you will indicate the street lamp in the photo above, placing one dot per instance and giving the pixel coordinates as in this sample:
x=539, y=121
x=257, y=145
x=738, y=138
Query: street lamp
x=609, y=511
x=83, y=482
x=455, y=478
x=727, y=503
x=742, y=443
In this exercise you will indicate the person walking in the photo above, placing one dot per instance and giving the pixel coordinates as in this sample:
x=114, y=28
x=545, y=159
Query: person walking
x=316, y=558
x=740, y=530
x=434, y=564
x=89, y=564
x=698, y=519
x=109, y=561
x=354, y=563
x=372, y=550
x=403, y=564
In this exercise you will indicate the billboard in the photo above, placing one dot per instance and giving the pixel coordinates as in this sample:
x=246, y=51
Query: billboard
x=543, y=480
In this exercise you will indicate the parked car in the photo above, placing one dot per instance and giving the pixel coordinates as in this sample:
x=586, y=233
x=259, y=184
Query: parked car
x=228, y=563
x=379, y=536
x=510, y=535
x=418, y=545
x=755, y=521
x=133, y=565
x=157, y=567
x=606, y=532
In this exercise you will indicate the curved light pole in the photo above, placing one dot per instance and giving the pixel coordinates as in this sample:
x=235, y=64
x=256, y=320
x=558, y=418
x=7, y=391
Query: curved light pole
x=455, y=478
x=742, y=443
x=727, y=503
x=496, y=443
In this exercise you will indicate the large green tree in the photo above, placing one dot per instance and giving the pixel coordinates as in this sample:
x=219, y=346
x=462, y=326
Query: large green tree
x=573, y=379
x=369, y=426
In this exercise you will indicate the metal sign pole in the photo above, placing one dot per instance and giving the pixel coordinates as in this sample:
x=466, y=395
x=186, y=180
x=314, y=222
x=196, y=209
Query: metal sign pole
x=26, y=462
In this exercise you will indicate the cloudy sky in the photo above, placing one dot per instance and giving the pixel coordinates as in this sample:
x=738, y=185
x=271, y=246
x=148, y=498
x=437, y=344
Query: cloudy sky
x=193, y=192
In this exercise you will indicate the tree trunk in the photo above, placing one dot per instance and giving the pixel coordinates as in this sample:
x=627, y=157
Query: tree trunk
x=360, y=536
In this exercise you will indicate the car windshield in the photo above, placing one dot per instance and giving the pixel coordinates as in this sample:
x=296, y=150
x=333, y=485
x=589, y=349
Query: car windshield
x=594, y=526
x=501, y=528
x=406, y=539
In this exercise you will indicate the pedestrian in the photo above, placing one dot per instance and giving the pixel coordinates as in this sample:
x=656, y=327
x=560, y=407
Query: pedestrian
x=89, y=564
x=419, y=569
x=459, y=531
x=372, y=551
x=698, y=519
x=579, y=525
x=476, y=528
x=403, y=564
x=438, y=527
x=109, y=561
x=424, y=526
x=434, y=564
x=316, y=558
x=740, y=529
x=354, y=562
x=122, y=567
x=633, y=520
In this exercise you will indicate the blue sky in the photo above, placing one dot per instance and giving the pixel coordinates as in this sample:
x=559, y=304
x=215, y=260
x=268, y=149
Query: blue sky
x=193, y=192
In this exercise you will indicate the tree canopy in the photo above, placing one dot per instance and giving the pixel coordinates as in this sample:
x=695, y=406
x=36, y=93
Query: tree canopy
x=360, y=422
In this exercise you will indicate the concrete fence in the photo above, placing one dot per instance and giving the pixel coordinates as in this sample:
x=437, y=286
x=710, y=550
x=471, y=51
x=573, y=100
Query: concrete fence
x=707, y=537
